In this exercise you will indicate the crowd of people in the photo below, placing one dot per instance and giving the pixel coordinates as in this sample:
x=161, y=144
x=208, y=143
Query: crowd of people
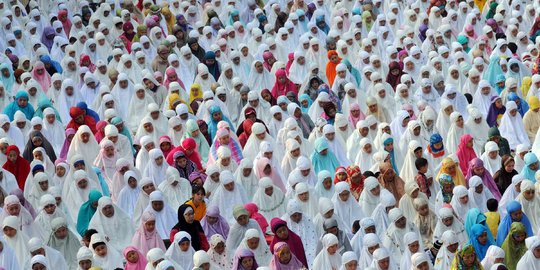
x=269, y=135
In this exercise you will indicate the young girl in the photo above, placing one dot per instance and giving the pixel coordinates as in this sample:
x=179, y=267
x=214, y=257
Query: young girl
x=181, y=250
x=218, y=252
x=283, y=258
x=146, y=237
x=244, y=260
x=135, y=260
x=104, y=257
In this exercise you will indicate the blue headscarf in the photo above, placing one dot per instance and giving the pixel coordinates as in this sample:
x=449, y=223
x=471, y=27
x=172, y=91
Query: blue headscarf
x=233, y=13
x=354, y=72
x=392, y=154
x=86, y=212
x=13, y=107
x=89, y=112
x=47, y=60
x=474, y=216
x=306, y=98
x=504, y=226
x=303, y=24
x=500, y=78
x=435, y=139
x=8, y=81
x=102, y=183
x=530, y=158
x=324, y=28
x=523, y=107
x=43, y=104
x=117, y=121
x=481, y=250
x=212, y=124
x=493, y=72
x=320, y=162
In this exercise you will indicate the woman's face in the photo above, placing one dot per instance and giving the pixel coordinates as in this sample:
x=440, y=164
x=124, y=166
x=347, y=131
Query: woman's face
x=509, y=167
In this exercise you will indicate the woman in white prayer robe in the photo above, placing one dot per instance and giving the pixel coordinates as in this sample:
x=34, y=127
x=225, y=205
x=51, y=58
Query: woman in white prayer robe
x=166, y=217
x=447, y=252
x=406, y=203
x=123, y=92
x=482, y=97
x=17, y=243
x=370, y=243
x=461, y=203
x=399, y=125
x=48, y=212
x=246, y=177
x=511, y=193
x=51, y=256
x=530, y=261
x=408, y=170
x=301, y=224
x=477, y=127
x=253, y=144
x=370, y=196
x=292, y=153
x=307, y=199
x=328, y=258
x=112, y=221
x=129, y=194
x=112, y=258
x=176, y=190
x=157, y=167
x=39, y=187
x=454, y=133
x=84, y=143
x=491, y=158
x=364, y=158
x=380, y=214
x=228, y=194
x=512, y=127
x=346, y=207
x=137, y=106
x=175, y=252
x=54, y=130
x=143, y=157
x=479, y=194
x=443, y=117
x=336, y=144
x=270, y=199
x=394, y=236
x=258, y=246
x=530, y=203
x=326, y=212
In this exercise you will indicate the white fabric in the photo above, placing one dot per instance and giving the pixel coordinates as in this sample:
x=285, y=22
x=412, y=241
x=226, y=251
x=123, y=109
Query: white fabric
x=119, y=228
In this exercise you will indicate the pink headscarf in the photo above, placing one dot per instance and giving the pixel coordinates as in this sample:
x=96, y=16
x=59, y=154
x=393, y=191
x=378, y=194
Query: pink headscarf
x=44, y=79
x=144, y=240
x=262, y=162
x=170, y=71
x=281, y=89
x=140, y=264
x=67, y=143
x=469, y=28
x=254, y=214
x=354, y=120
x=464, y=153
x=293, y=264
x=487, y=180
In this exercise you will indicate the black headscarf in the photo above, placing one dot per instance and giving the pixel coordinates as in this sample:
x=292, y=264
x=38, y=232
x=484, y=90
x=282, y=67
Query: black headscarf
x=199, y=53
x=502, y=178
x=194, y=229
x=30, y=146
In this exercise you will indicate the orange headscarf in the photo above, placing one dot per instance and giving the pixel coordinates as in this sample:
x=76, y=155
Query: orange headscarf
x=331, y=67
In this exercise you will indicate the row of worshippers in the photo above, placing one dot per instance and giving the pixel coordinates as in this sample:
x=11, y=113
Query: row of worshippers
x=134, y=102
